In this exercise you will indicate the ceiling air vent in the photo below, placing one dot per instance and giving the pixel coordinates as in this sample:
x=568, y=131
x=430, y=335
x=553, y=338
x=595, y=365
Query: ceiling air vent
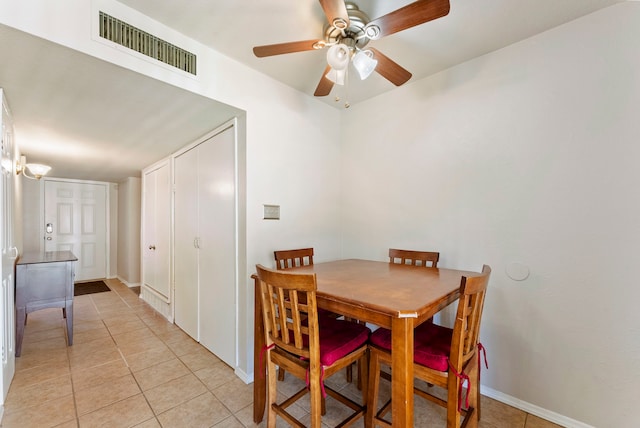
x=147, y=44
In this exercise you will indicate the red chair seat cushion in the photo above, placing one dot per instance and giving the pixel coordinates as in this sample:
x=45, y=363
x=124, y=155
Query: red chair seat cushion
x=339, y=338
x=431, y=347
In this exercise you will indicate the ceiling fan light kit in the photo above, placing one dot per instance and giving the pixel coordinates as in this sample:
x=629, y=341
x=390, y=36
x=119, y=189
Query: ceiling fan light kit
x=349, y=30
x=364, y=63
x=338, y=57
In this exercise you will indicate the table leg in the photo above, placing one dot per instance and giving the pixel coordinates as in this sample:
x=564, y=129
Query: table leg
x=259, y=378
x=402, y=372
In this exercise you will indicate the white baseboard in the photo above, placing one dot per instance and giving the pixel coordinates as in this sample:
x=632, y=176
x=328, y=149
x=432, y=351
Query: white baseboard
x=246, y=378
x=533, y=409
x=128, y=284
x=157, y=303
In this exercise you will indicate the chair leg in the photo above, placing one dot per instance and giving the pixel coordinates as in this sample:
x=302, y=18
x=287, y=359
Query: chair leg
x=317, y=403
x=363, y=375
x=453, y=416
x=349, y=373
x=280, y=374
x=373, y=388
x=478, y=396
x=272, y=392
x=474, y=398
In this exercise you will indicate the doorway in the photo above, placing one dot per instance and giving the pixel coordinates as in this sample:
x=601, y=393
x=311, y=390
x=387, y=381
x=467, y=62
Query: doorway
x=75, y=219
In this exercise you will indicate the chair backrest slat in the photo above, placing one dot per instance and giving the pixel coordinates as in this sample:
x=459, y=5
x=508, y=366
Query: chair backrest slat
x=286, y=259
x=414, y=258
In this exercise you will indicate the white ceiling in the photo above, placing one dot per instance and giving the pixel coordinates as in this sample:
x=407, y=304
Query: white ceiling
x=92, y=120
x=472, y=28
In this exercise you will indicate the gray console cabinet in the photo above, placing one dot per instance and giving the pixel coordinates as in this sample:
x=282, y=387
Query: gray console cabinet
x=44, y=280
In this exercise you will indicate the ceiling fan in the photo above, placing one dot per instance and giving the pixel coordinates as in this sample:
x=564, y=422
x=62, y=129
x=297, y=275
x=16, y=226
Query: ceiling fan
x=347, y=33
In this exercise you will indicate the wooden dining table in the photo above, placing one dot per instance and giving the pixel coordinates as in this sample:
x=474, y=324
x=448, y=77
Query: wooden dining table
x=397, y=297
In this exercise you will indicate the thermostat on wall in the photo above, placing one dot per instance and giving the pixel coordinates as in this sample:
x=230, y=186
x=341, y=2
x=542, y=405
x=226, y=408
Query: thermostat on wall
x=272, y=212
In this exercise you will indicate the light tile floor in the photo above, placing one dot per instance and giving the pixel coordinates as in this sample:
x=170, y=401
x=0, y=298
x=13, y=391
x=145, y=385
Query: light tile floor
x=129, y=367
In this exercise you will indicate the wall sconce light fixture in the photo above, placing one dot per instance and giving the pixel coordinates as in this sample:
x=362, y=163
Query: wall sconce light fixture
x=36, y=170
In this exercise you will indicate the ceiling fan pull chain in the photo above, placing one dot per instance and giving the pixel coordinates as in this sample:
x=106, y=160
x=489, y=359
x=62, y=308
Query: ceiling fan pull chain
x=346, y=89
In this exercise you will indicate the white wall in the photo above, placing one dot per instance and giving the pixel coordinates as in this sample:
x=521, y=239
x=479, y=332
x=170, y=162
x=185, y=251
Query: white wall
x=128, y=248
x=32, y=210
x=113, y=224
x=524, y=155
x=528, y=155
x=291, y=140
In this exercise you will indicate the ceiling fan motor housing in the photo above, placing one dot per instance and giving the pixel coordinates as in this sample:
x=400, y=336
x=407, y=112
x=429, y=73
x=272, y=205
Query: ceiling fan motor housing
x=356, y=36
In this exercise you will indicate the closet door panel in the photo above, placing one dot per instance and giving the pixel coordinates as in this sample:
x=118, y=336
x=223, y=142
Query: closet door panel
x=186, y=242
x=216, y=175
x=162, y=245
x=149, y=230
x=156, y=229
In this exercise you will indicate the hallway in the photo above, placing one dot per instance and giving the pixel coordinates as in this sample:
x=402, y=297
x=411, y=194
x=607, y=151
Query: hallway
x=128, y=366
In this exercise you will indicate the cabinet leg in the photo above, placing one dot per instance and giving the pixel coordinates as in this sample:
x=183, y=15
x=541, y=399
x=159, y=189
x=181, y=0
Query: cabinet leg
x=68, y=311
x=21, y=319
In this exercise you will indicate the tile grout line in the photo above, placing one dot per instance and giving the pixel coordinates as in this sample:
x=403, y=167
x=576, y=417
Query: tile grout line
x=207, y=389
x=124, y=359
x=73, y=388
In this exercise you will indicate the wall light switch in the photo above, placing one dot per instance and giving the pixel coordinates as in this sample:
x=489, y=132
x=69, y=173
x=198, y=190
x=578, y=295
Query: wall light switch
x=272, y=212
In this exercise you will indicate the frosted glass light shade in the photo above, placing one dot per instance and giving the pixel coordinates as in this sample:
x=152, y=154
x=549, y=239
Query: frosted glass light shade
x=364, y=63
x=38, y=170
x=336, y=76
x=338, y=57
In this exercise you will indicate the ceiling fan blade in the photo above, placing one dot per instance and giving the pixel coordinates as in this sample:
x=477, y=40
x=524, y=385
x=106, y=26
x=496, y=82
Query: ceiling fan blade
x=285, y=48
x=325, y=85
x=413, y=14
x=335, y=10
x=389, y=69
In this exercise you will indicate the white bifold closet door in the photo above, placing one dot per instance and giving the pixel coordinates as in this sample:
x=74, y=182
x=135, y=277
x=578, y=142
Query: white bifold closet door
x=156, y=229
x=205, y=244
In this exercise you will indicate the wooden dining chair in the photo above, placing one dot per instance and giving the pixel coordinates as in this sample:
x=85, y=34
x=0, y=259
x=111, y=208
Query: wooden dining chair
x=414, y=258
x=286, y=259
x=311, y=351
x=442, y=356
